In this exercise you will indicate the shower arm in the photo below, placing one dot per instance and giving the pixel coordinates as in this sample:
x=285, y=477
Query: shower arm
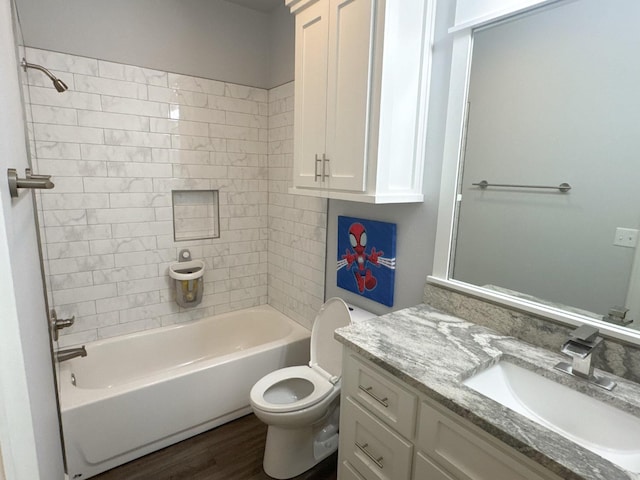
x=59, y=85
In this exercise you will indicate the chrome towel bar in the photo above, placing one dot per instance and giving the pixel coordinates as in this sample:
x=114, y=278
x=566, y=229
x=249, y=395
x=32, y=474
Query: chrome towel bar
x=563, y=187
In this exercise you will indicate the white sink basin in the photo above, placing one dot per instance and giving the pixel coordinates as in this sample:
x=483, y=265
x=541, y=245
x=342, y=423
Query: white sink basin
x=601, y=428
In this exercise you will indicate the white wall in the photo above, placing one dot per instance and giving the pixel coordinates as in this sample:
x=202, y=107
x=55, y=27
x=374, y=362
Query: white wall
x=204, y=38
x=416, y=223
x=29, y=431
x=555, y=103
x=282, y=46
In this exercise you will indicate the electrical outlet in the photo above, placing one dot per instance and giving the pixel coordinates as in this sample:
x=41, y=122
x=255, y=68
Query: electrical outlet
x=626, y=237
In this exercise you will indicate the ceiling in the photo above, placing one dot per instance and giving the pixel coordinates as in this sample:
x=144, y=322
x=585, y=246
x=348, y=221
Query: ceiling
x=260, y=5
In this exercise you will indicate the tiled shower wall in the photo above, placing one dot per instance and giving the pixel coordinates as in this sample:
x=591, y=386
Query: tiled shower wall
x=117, y=143
x=297, y=224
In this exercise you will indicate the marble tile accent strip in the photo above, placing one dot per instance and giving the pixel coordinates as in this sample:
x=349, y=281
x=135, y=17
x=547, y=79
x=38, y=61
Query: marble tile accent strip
x=619, y=358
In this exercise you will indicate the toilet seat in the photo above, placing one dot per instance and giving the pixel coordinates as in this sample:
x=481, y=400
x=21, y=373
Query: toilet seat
x=321, y=388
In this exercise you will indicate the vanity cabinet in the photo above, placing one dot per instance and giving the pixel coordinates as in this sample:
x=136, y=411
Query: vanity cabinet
x=390, y=431
x=361, y=95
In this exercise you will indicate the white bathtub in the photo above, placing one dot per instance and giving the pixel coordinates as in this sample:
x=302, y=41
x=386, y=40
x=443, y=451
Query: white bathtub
x=141, y=392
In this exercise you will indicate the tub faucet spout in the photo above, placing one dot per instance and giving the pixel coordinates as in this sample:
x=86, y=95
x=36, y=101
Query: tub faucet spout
x=69, y=353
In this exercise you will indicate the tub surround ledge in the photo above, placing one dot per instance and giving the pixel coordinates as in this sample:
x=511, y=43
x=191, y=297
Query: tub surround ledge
x=434, y=352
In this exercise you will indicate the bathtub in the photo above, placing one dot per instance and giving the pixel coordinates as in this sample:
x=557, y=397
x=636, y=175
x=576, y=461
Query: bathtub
x=138, y=393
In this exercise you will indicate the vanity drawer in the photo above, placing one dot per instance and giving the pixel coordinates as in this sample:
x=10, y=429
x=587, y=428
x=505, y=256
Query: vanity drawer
x=425, y=469
x=347, y=472
x=372, y=448
x=468, y=453
x=385, y=398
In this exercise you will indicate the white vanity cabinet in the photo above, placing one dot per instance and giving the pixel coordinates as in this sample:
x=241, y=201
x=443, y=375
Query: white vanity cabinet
x=361, y=94
x=390, y=431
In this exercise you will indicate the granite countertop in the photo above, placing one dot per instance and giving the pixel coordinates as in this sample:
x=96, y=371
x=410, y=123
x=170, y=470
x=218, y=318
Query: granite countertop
x=434, y=352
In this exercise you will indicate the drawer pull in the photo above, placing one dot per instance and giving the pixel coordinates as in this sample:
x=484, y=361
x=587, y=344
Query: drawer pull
x=369, y=391
x=363, y=449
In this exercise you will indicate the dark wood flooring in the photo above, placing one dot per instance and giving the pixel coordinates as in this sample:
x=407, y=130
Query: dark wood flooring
x=230, y=452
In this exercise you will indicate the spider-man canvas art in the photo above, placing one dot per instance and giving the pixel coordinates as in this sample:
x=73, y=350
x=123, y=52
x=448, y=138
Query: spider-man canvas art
x=367, y=258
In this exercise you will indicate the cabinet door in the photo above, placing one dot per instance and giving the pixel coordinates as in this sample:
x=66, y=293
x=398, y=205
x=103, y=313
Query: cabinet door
x=312, y=34
x=348, y=92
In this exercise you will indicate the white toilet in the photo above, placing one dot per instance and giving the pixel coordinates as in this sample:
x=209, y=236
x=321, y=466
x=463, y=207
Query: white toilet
x=300, y=404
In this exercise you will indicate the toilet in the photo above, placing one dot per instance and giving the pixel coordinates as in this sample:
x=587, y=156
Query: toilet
x=301, y=404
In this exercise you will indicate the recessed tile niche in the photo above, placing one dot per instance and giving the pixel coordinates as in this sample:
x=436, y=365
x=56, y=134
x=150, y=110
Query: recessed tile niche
x=195, y=214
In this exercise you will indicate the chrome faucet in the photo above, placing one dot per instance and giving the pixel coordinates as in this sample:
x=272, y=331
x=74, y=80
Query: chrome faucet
x=69, y=353
x=581, y=343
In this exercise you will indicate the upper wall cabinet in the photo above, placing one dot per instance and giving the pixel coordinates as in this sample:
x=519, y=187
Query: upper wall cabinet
x=361, y=97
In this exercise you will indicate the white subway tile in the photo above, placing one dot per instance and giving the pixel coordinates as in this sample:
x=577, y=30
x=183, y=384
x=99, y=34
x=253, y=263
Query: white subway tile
x=138, y=229
x=113, y=275
x=76, y=233
x=244, y=146
x=136, y=139
x=122, y=245
x=168, y=184
x=57, y=150
x=233, y=105
x=81, y=264
x=70, y=99
x=115, y=153
x=83, y=294
x=196, y=114
x=57, y=251
x=244, y=120
x=164, y=155
x=55, y=115
x=124, y=200
x=62, y=184
x=110, y=184
x=132, y=73
x=71, y=168
x=60, y=218
x=71, y=280
x=129, y=287
x=179, y=127
x=196, y=84
x=188, y=142
x=136, y=107
x=232, y=132
x=119, y=215
x=107, y=86
x=199, y=171
x=247, y=93
x=74, y=201
x=177, y=96
x=113, y=120
x=67, y=133
x=144, y=258
x=139, y=170
x=122, y=302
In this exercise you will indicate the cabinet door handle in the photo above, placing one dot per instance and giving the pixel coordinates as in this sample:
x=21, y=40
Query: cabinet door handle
x=374, y=459
x=316, y=174
x=369, y=391
x=325, y=168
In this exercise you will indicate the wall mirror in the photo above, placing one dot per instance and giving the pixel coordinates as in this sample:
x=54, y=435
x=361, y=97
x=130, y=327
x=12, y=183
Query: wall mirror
x=545, y=94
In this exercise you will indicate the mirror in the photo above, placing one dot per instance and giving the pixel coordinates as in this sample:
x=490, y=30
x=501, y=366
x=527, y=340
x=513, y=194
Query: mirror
x=554, y=97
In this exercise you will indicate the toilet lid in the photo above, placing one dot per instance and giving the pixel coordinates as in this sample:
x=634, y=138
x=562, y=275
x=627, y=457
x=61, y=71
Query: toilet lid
x=326, y=351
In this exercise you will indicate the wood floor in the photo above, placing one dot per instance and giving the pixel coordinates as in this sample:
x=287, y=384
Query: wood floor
x=230, y=452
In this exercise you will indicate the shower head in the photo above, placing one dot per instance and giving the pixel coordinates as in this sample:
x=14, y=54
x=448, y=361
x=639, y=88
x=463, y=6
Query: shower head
x=58, y=84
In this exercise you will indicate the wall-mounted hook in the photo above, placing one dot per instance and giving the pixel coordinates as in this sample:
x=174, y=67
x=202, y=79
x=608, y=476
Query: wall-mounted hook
x=31, y=181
